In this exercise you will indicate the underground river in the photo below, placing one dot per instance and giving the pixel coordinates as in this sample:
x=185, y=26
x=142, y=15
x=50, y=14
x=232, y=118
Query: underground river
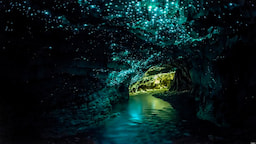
x=143, y=119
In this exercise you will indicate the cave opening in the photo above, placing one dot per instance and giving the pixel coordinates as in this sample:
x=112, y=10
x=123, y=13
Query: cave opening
x=171, y=83
x=156, y=78
x=162, y=78
x=160, y=101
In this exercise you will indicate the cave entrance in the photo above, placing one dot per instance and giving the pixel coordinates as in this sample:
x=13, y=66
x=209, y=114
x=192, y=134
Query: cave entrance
x=163, y=78
x=156, y=78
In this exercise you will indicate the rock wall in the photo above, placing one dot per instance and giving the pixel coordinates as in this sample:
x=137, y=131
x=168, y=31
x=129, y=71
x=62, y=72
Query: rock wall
x=217, y=73
x=53, y=93
x=53, y=82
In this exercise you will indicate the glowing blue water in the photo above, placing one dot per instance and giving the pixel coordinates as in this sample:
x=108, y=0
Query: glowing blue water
x=143, y=119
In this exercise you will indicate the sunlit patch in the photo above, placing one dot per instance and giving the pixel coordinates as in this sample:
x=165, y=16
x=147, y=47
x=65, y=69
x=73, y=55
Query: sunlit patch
x=154, y=79
x=157, y=81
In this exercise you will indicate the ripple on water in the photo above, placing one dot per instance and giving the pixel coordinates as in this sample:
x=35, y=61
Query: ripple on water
x=144, y=119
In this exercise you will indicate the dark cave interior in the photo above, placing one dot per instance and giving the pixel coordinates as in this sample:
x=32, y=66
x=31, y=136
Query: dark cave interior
x=67, y=65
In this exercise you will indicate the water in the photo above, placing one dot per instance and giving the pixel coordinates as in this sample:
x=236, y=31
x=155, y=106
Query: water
x=143, y=119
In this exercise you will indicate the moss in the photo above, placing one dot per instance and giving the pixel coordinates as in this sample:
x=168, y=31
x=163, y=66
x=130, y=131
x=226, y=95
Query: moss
x=156, y=70
x=152, y=81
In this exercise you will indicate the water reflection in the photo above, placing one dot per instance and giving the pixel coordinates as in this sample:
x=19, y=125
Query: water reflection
x=135, y=109
x=143, y=119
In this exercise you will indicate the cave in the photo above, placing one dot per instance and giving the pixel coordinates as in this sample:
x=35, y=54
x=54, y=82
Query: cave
x=121, y=72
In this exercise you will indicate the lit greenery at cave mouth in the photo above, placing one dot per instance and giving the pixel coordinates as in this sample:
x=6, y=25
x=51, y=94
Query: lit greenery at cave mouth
x=154, y=79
